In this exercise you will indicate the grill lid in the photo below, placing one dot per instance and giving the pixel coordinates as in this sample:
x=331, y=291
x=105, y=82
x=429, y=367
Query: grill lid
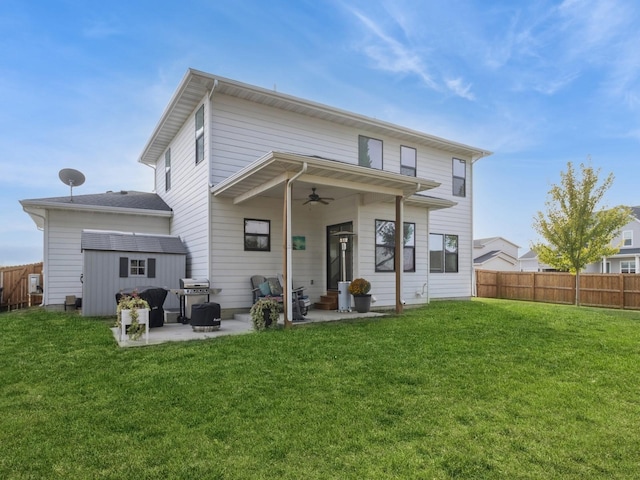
x=194, y=283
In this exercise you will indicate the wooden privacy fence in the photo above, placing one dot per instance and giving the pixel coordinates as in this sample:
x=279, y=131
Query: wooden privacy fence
x=596, y=290
x=14, y=282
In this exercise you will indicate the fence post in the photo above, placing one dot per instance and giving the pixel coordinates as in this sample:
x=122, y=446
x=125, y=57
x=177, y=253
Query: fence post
x=621, y=280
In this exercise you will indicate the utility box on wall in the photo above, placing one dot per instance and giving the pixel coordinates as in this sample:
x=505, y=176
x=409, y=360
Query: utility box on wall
x=34, y=284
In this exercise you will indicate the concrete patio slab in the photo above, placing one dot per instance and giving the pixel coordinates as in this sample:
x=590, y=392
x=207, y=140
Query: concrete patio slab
x=178, y=332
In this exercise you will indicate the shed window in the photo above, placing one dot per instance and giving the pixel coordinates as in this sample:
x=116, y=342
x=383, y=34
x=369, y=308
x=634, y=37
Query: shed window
x=137, y=268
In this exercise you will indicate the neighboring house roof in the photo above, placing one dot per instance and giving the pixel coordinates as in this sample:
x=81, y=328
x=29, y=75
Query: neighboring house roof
x=627, y=251
x=529, y=255
x=481, y=242
x=131, y=242
x=486, y=256
x=196, y=84
x=636, y=212
x=131, y=202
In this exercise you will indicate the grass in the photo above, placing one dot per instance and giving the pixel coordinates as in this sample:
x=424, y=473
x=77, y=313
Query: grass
x=481, y=389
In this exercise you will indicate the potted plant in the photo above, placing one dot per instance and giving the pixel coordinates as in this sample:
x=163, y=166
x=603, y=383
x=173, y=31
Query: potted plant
x=265, y=313
x=130, y=309
x=359, y=288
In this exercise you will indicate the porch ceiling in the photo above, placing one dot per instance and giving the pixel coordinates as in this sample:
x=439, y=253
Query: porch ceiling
x=266, y=176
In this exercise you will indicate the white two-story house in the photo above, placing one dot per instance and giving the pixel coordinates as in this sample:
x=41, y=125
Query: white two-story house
x=259, y=182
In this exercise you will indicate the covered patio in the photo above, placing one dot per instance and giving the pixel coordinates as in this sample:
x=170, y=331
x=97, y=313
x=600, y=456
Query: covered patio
x=240, y=324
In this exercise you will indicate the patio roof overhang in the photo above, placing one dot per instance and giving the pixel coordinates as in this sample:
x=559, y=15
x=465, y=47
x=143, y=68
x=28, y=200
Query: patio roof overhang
x=265, y=176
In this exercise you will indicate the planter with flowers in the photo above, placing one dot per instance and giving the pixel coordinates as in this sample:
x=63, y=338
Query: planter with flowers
x=133, y=312
x=359, y=288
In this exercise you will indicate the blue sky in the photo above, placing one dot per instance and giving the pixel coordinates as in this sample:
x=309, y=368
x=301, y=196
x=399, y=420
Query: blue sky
x=540, y=83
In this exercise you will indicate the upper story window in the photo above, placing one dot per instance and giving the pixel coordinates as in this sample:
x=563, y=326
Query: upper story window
x=459, y=177
x=200, y=134
x=167, y=170
x=408, y=158
x=443, y=253
x=257, y=235
x=369, y=152
x=386, y=250
x=627, y=238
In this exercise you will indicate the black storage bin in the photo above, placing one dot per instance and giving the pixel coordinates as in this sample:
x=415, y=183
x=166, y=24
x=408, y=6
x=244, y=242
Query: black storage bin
x=205, y=316
x=155, y=297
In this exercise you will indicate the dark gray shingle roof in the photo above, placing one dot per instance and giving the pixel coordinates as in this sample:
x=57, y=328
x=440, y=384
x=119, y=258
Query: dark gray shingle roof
x=486, y=256
x=131, y=242
x=120, y=199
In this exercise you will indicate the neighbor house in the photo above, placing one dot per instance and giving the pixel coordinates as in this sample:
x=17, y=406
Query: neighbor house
x=495, y=253
x=254, y=181
x=628, y=258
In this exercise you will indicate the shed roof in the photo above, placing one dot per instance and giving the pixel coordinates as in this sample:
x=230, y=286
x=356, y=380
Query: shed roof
x=131, y=242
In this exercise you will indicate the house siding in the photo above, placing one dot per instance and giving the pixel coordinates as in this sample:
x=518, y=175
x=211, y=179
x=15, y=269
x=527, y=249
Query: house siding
x=64, y=265
x=189, y=193
x=238, y=133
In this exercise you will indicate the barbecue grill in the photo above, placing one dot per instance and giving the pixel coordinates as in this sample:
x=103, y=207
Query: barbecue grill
x=192, y=291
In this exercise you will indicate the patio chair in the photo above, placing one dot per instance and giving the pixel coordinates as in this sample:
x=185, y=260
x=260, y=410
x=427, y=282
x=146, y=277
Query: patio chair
x=266, y=287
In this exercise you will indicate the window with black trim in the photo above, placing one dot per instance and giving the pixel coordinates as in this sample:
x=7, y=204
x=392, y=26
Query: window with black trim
x=167, y=170
x=385, y=246
x=200, y=134
x=408, y=160
x=443, y=253
x=369, y=152
x=257, y=235
x=459, y=177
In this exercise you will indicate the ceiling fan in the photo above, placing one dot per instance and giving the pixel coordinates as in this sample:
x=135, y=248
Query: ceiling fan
x=314, y=198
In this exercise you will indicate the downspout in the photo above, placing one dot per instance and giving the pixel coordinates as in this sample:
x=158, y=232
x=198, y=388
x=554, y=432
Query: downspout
x=289, y=243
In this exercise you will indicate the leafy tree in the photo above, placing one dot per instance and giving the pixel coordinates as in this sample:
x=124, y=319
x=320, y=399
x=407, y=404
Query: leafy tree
x=576, y=233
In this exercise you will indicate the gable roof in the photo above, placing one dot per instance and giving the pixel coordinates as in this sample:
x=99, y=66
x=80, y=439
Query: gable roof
x=196, y=84
x=493, y=254
x=131, y=242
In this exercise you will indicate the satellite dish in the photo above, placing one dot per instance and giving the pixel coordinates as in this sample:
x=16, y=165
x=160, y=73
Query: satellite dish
x=71, y=177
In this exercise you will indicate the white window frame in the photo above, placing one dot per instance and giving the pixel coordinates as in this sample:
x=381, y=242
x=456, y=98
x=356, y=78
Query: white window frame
x=459, y=177
x=628, y=266
x=627, y=238
x=373, y=146
x=137, y=267
x=167, y=170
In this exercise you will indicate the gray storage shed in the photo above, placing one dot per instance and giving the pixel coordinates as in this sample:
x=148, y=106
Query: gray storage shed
x=113, y=261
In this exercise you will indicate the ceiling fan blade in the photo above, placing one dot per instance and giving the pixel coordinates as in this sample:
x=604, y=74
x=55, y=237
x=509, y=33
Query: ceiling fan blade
x=328, y=198
x=306, y=202
x=322, y=200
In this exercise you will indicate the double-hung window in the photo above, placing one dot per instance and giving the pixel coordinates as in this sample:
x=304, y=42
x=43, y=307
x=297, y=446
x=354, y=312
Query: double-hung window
x=627, y=238
x=408, y=158
x=257, y=235
x=459, y=177
x=443, y=253
x=200, y=134
x=385, y=246
x=369, y=152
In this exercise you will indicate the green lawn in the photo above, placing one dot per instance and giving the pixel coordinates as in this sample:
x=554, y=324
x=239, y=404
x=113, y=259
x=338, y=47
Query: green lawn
x=481, y=389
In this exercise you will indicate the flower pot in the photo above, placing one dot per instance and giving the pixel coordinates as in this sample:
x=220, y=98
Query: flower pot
x=266, y=312
x=126, y=320
x=362, y=303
